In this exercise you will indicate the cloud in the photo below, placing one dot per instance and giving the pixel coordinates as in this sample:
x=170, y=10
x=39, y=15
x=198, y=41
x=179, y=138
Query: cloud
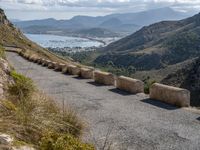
x=95, y=7
x=112, y=4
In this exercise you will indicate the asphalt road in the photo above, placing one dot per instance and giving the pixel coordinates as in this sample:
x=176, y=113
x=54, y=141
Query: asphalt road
x=124, y=121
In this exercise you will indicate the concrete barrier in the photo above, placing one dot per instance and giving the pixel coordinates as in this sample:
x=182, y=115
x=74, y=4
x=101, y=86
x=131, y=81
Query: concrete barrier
x=64, y=69
x=73, y=70
x=35, y=59
x=45, y=62
x=21, y=53
x=59, y=66
x=39, y=61
x=26, y=56
x=129, y=84
x=29, y=57
x=51, y=65
x=172, y=95
x=104, y=78
x=86, y=73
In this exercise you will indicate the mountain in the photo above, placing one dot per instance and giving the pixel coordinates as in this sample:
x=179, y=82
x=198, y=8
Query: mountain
x=111, y=23
x=161, y=44
x=96, y=32
x=148, y=17
x=124, y=24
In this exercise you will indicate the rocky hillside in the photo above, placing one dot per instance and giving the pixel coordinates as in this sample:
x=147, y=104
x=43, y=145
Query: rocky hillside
x=4, y=73
x=11, y=36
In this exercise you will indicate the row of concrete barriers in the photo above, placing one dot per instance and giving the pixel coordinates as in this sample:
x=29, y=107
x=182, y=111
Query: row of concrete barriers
x=169, y=94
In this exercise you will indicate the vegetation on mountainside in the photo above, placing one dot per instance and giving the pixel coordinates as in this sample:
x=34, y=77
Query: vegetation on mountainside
x=155, y=47
x=183, y=46
x=33, y=118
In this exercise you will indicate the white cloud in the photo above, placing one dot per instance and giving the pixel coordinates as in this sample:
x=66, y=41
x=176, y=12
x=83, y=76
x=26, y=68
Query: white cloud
x=95, y=7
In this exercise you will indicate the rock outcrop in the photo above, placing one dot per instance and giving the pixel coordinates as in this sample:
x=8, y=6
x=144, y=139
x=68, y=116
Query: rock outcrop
x=5, y=79
x=7, y=143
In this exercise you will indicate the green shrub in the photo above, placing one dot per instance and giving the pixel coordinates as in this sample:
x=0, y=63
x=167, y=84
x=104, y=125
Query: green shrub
x=23, y=86
x=55, y=141
x=148, y=85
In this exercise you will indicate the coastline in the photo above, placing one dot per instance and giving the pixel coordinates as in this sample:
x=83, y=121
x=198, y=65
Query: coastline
x=76, y=36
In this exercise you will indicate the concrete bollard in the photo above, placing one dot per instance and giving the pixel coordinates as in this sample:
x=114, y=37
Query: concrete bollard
x=64, y=69
x=59, y=66
x=29, y=57
x=26, y=56
x=35, y=59
x=51, y=65
x=129, y=84
x=104, y=78
x=21, y=53
x=45, y=62
x=86, y=73
x=73, y=70
x=32, y=58
x=171, y=95
x=39, y=61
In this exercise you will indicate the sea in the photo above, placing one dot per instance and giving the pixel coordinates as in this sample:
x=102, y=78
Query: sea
x=55, y=41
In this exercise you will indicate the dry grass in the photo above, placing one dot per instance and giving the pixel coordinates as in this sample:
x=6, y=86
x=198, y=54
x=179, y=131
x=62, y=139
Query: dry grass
x=33, y=118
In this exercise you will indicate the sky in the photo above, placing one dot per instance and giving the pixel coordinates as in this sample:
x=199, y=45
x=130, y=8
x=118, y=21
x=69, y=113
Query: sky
x=65, y=9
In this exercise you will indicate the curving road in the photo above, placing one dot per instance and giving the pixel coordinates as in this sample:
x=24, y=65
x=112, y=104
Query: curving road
x=124, y=121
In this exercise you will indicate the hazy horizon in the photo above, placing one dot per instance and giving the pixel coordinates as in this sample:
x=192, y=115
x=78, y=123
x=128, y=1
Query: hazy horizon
x=66, y=9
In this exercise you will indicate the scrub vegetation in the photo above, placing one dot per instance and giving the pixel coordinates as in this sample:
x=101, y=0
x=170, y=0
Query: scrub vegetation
x=33, y=118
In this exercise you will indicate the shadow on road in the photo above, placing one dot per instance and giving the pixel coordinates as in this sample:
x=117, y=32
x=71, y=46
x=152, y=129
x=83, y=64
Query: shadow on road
x=198, y=118
x=96, y=84
x=78, y=78
x=159, y=104
x=124, y=93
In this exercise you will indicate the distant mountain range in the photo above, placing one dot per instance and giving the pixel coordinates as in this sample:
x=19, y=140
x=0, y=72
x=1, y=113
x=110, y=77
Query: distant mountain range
x=119, y=24
x=163, y=43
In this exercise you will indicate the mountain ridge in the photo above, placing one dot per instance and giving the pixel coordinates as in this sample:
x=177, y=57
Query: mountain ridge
x=127, y=22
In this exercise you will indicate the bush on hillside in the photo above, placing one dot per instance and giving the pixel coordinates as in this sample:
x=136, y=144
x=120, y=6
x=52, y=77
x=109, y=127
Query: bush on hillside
x=148, y=85
x=23, y=86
